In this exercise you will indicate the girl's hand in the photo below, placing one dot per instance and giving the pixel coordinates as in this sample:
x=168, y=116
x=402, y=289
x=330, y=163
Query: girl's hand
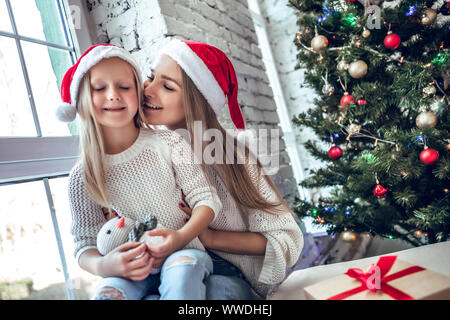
x=130, y=260
x=173, y=241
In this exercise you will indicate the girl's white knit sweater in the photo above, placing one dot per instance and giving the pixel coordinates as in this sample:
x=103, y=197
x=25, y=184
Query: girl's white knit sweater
x=148, y=177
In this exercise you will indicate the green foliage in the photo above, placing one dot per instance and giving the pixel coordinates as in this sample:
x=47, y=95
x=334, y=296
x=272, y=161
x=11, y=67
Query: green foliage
x=387, y=147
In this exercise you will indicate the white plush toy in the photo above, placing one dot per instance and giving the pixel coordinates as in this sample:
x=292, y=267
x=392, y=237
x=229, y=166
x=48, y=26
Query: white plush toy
x=119, y=230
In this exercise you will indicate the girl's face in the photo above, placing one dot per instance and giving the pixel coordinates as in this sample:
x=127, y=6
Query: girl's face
x=163, y=95
x=114, y=93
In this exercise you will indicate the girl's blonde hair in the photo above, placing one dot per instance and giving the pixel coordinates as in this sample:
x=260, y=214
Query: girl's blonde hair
x=235, y=175
x=92, y=148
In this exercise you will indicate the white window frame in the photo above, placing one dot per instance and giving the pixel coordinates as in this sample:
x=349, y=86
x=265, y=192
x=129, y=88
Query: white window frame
x=24, y=159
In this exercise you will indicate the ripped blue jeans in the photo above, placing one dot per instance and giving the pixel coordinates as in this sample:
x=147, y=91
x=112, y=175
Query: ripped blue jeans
x=182, y=277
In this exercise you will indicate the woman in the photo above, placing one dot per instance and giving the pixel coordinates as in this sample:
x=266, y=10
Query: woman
x=255, y=231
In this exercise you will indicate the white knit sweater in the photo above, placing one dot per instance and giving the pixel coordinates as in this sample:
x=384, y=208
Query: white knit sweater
x=146, y=178
x=284, y=237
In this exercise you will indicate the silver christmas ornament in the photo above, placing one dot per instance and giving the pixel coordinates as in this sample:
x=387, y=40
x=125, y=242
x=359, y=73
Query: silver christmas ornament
x=357, y=69
x=426, y=119
x=328, y=89
x=342, y=65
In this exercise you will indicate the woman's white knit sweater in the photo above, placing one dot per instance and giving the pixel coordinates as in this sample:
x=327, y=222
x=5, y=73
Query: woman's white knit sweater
x=148, y=177
x=284, y=237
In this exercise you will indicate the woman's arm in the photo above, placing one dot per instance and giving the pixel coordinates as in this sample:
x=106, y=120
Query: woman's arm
x=250, y=243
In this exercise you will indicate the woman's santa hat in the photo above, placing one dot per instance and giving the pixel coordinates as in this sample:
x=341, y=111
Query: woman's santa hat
x=67, y=111
x=212, y=73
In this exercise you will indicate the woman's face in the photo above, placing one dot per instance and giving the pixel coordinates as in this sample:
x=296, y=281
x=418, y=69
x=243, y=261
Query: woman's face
x=113, y=93
x=163, y=95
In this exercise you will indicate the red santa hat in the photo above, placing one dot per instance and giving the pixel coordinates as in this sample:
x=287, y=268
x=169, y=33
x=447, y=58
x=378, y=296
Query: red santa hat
x=212, y=73
x=67, y=110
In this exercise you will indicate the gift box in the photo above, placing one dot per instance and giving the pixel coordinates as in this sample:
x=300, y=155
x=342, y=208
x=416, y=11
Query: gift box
x=389, y=279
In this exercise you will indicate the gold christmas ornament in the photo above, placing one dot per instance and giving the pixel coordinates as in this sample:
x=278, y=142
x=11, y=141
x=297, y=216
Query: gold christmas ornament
x=366, y=33
x=319, y=42
x=428, y=17
x=426, y=119
x=348, y=236
x=357, y=69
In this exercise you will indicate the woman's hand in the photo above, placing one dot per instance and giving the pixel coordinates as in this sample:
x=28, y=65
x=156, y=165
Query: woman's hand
x=130, y=260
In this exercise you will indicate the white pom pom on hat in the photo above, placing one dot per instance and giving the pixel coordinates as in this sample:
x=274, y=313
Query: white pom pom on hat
x=67, y=110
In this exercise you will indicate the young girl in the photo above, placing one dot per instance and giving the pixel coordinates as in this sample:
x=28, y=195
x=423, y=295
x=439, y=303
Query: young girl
x=133, y=171
x=255, y=230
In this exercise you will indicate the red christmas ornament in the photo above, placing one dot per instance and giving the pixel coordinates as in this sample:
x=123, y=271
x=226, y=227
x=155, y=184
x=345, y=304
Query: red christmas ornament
x=379, y=191
x=347, y=98
x=429, y=156
x=350, y=0
x=392, y=41
x=335, y=152
x=361, y=102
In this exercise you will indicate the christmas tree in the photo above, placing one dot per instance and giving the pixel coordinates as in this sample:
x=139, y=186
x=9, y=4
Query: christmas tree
x=380, y=70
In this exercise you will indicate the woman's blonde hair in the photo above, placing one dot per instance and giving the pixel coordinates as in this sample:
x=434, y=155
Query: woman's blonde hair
x=92, y=148
x=235, y=175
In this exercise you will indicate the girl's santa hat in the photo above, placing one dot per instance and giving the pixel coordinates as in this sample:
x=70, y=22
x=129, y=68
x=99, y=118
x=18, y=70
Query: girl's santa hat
x=211, y=71
x=71, y=82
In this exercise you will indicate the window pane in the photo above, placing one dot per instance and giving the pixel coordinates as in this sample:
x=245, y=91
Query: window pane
x=5, y=23
x=39, y=19
x=46, y=67
x=83, y=283
x=16, y=119
x=29, y=259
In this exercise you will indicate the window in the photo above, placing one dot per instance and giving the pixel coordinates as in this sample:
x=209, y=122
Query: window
x=37, y=45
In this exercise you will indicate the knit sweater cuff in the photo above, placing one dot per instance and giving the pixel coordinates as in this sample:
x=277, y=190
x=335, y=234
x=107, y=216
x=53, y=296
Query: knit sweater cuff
x=268, y=273
x=214, y=206
x=80, y=251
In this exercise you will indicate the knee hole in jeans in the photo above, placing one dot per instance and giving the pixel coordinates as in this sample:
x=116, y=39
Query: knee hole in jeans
x=181, y=260
x=110, y=293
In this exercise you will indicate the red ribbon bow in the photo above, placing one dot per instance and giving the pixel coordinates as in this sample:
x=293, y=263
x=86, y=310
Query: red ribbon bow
x=377, y=273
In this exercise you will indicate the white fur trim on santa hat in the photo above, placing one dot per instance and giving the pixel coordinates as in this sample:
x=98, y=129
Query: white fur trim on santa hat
x=87, y=62
x=196, y=69
x=66, y=112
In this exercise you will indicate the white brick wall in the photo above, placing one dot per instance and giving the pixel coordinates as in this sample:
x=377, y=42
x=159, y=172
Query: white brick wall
x=143, y=26
x=281, y=24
